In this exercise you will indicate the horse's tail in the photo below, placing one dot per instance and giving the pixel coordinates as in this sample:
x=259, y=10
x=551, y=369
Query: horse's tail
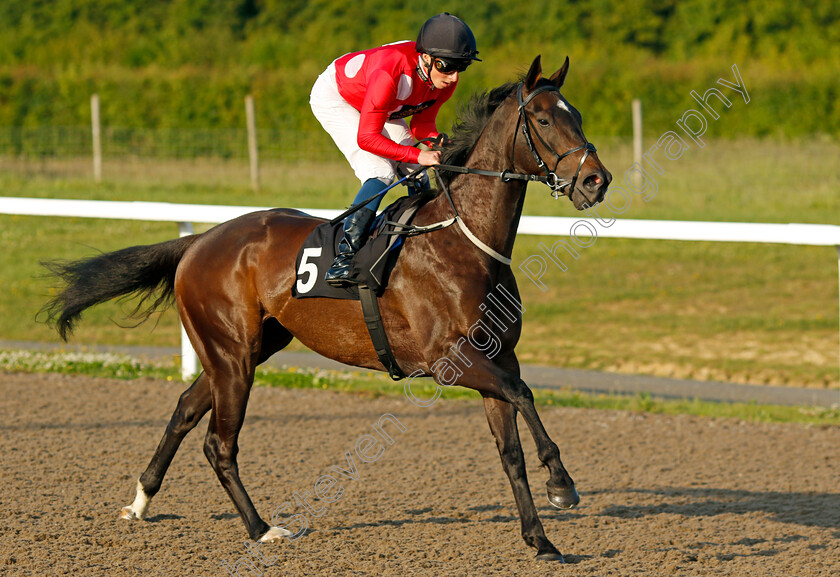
x=147, y=271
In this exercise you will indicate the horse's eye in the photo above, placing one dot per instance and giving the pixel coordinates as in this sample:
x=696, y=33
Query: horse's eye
x=544, y=123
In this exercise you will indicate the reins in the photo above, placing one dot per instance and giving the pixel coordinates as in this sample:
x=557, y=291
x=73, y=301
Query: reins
x=414, y=230
x=382, y=192
x=505, y=175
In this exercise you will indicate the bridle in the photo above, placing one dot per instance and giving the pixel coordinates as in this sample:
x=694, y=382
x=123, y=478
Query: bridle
x=551, y=179
x=554, y=182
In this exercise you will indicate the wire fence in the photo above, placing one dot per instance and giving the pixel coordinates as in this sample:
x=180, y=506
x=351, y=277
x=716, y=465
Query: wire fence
x=189, y=155
x=208, y=156
x=180, y=154
x=287, y=145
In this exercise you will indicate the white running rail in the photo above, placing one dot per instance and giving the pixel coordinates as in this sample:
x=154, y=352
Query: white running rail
x=186, y=214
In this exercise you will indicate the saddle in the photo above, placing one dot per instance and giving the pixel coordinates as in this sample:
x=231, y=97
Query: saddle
x=371, y=266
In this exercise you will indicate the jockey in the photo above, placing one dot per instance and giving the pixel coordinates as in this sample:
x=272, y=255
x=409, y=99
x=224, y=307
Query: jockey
x=362, y=100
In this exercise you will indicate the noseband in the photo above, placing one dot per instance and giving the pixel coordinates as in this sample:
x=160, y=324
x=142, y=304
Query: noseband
x=554, y=182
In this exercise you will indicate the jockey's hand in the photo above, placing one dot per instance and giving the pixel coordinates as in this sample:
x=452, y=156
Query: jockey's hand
x=429, y=157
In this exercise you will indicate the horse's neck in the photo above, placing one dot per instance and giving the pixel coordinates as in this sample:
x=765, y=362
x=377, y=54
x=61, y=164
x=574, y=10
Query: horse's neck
x=490, y=207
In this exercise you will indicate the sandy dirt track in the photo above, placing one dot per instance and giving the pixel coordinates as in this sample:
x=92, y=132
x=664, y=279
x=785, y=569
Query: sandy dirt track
x=660, y=495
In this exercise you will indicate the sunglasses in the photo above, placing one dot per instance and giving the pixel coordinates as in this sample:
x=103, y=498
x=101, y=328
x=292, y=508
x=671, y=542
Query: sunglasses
x=450, y=66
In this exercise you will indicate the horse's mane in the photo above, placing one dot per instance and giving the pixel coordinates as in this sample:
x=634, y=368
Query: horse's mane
x=470, y=122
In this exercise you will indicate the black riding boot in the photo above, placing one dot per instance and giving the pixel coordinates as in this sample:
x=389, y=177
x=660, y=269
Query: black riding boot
x=355, y=228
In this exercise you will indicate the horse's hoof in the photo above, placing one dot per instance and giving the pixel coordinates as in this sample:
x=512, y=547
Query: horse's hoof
x=565, y=498
x=553, y=556
x=137, y=510
x=130, y=514
x=274, y=534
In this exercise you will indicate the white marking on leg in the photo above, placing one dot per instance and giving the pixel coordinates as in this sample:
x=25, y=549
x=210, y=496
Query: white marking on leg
x=275, y=534
x=137, y=510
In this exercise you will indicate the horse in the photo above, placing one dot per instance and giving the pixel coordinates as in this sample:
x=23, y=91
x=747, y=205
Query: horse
x=232, y=287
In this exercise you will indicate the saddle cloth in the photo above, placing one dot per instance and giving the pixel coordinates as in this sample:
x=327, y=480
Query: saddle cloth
x=371, y=266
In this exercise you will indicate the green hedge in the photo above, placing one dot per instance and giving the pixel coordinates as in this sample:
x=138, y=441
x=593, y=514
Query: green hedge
x=189, y=63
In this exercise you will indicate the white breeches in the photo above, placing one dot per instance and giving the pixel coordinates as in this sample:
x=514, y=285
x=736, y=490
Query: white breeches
x=341, y=121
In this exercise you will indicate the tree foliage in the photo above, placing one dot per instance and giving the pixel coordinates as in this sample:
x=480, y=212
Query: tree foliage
x=189, y=62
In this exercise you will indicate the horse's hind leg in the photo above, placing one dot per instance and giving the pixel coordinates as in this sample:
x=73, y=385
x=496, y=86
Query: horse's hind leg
x=230, y=392
x=501, y=416
x=232, y=374
x=192, y=406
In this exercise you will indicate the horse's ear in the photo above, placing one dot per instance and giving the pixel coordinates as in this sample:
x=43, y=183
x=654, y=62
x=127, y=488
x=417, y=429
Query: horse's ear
x=534, y=74
x=559, y=77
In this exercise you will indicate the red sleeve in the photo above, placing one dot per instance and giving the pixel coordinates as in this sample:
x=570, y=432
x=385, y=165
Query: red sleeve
x=423, y=125
x=380, y=100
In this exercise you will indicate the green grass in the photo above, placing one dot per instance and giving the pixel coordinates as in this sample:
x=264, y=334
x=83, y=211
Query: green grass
x=375, y=385
x=742, y=312
x=108, y=365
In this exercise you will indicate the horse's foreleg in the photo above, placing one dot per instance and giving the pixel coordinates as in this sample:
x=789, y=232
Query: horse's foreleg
x=192, y=406
x=561, y=488
x=501, y=416
x=504, y=381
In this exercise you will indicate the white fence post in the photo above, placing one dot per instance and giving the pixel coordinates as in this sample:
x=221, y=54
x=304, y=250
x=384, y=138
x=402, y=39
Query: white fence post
x=97, y=141
x=189, y=360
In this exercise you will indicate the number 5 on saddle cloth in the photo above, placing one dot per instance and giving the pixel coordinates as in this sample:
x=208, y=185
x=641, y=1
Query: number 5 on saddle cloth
x=373, y=263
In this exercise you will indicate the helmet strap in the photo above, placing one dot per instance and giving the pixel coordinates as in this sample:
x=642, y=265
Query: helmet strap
x=424, y=69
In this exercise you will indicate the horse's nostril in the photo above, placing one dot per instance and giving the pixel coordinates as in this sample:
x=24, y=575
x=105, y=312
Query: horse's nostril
x=593, y=181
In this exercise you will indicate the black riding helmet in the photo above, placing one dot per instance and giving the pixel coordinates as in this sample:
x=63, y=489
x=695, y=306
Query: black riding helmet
x=447, y=36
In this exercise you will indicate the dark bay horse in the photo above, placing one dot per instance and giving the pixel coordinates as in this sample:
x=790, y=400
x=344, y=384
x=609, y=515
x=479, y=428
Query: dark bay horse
x=232, y=286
